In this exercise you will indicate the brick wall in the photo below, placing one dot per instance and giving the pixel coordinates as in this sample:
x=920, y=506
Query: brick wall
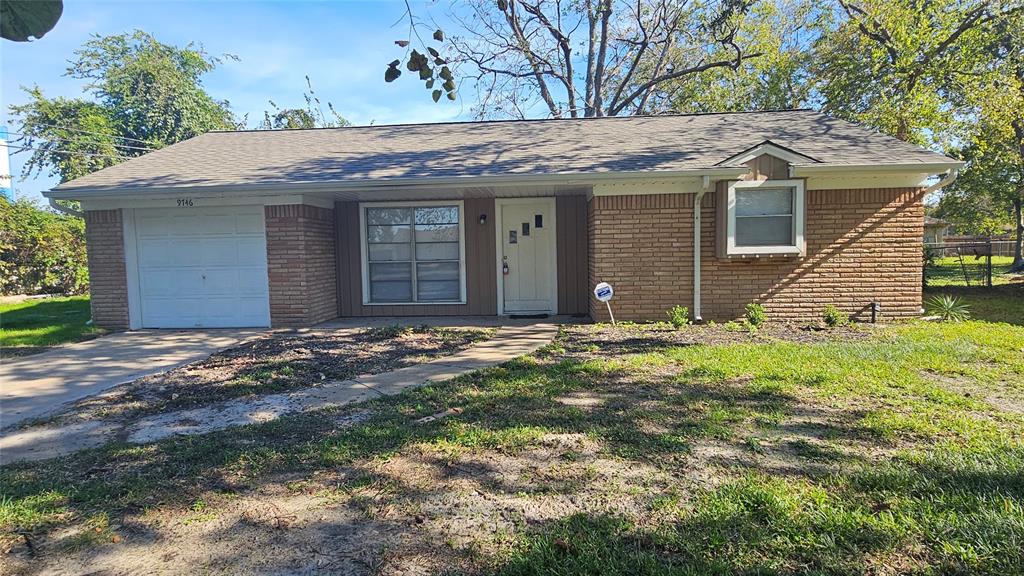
x=108, y=282
x=301, y=264
x=862, y=246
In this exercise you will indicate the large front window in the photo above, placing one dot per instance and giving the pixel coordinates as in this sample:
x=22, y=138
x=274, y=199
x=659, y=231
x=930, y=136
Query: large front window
x=413, y=254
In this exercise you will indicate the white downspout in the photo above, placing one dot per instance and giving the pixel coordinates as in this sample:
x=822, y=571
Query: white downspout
x=946, y=181
x=698, y=199
x=65, y=209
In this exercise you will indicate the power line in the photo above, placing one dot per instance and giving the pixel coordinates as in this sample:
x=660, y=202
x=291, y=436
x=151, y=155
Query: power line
x=21, y=148
x=70, y=129
x=126, y=147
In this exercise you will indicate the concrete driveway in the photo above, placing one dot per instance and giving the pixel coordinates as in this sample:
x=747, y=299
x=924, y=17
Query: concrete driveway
x=36, y=385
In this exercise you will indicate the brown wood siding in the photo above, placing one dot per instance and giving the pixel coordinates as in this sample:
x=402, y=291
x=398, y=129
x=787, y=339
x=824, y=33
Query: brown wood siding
x=571, y=246
x=481, y=271
x=767, y=167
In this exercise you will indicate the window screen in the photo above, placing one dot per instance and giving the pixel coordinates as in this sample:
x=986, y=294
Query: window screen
x=413, y=254
x=764, y=217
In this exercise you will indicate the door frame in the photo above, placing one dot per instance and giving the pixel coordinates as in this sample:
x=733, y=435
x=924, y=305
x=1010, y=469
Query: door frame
x=499, y=244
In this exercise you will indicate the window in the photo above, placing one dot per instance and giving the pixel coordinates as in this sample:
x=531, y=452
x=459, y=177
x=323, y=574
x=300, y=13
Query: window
x=413, y=254
x=765, y=217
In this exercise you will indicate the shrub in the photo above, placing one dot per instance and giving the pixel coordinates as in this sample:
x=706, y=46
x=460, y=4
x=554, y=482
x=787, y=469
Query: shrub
x=678, y=316
x=833, y=317
x=41, y=252
x=948, y=308
x=755, y=314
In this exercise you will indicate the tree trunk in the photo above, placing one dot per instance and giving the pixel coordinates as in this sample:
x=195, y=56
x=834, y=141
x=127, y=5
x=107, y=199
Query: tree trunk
x=1018, y=245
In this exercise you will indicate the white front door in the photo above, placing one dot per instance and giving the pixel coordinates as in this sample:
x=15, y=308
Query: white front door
x=527, y=255
x=202, y=267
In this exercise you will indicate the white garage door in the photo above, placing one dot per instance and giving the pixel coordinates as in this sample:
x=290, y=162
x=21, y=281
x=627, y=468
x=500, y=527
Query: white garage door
x=202, y=267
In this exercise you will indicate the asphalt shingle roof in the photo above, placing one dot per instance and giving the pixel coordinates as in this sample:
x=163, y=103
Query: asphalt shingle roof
x=468, y=149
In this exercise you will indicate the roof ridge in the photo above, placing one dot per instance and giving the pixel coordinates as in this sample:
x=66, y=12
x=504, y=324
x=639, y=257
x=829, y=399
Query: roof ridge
x=515, y=121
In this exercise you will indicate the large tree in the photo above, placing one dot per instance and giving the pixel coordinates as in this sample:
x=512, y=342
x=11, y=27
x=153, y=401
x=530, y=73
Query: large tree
x=590, y=57
x=990, y=192
x=888, y=63
x=784, y=33
x=144, y=95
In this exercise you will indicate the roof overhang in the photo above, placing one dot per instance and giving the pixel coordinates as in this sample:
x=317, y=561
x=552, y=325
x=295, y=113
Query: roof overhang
x=271, y=188
x=907, y=168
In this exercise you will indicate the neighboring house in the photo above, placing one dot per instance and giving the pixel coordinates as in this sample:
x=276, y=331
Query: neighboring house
x=935, y=230
x=290, y=228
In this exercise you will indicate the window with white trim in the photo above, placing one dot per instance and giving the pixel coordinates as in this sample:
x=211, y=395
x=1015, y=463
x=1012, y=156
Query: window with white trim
x=413, y=254
x=765, y=217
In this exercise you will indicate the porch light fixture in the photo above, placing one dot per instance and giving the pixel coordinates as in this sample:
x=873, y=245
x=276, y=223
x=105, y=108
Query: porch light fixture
x=483, y=219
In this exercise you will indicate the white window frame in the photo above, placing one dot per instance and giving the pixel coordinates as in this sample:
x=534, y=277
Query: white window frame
x=415, y=204
x=795, y=249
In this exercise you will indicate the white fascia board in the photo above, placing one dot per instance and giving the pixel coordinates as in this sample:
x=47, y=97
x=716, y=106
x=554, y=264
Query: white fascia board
x=869, y=169
x=769, y=149
x=391, y=183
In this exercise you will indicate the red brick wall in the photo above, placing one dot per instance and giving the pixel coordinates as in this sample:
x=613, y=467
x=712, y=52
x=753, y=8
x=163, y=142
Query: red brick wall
x=108, y=282
x=862, y=246
x=301, y=264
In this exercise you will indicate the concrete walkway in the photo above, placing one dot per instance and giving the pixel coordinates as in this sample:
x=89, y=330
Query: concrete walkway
x=47, y=442
x=36, y=385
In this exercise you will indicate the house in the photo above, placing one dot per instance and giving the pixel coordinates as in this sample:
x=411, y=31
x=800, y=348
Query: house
x=935, y=230
x=792, y=209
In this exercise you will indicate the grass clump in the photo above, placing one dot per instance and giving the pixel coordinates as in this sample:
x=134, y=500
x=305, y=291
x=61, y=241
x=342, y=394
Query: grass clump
x=678, y=316
x=948, y=308
x=833, y=317
x=755, y=314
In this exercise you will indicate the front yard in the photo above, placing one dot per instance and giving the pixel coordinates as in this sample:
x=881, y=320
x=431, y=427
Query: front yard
x=637, y=449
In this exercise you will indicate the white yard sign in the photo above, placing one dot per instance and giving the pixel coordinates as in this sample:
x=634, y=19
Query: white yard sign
x=604, y=292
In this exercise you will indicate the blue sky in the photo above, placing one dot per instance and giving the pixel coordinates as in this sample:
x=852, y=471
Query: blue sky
x=343, y=46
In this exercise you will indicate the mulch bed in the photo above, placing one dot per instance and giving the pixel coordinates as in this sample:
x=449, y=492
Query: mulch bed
x=606, y=340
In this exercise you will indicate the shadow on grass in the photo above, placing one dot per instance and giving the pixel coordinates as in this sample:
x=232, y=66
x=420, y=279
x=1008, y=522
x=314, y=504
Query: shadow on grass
x=763, y=522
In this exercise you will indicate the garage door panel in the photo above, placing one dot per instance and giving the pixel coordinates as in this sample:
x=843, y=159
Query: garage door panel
x=252, y=282
x=220, y=251
x=252, y=252
x=202, y=267
x=153, y=252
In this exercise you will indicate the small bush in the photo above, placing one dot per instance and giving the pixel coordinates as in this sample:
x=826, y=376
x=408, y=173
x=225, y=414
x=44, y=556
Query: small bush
x=678, y=316
x=755, y=314
x=948, y=308
x=833, y=317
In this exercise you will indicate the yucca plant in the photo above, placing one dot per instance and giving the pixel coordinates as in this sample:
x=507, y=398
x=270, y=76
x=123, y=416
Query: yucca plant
x=948, y=308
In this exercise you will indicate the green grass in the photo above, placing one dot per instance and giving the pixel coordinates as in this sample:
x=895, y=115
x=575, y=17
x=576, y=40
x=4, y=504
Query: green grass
x=950, y=271
x=45, y=322
x=911, y=466
x=996, y=304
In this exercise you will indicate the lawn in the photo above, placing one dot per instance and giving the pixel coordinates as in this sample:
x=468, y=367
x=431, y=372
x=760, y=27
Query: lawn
x=970, y=271
x=31, y=325
x=629, y=450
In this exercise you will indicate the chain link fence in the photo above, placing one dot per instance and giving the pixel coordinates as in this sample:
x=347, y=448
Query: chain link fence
x=976, y=263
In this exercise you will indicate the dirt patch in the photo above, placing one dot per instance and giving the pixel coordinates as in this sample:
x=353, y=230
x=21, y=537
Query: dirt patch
x=274, y=364
x=605, y=340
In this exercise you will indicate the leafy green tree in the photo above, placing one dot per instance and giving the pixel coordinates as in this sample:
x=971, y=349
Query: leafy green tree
x=312, y=116
x=783, y=33
x=888, y=63
x=989, y=195
x=145, y=95
x=41, y=252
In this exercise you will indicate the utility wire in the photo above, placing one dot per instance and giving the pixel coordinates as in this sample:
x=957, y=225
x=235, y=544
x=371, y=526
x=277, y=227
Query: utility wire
x=67, y=139
x=22, y=148
x=69, y=129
